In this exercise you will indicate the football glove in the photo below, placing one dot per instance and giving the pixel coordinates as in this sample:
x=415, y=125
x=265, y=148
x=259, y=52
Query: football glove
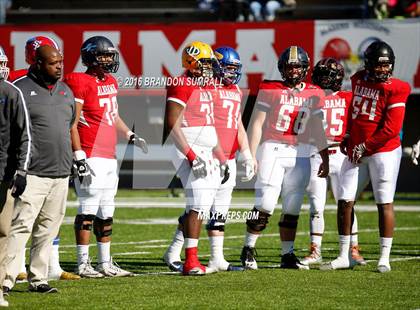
x=343, y=145
x=224, y=172
x=139, y=142
x=198, y=167
x=358, y=152
x=249, y=165
x=82, y=170
x=18, y=184
x=415, y=152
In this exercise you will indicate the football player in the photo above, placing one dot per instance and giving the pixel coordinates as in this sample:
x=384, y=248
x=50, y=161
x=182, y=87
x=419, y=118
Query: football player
x=284, y=111
x=189, y=121
x=94, y=138
x=232, y=137
x=54, y=269
x=328, y=74
x=373, y=145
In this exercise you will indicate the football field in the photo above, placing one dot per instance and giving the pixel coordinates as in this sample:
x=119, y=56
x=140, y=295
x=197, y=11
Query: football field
x=144, y=227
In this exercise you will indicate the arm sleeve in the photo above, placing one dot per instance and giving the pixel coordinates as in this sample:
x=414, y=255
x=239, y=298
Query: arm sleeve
x=178, y=94
x=393, y=121
x=20, y=130
x=77, y=87
x=264, y=97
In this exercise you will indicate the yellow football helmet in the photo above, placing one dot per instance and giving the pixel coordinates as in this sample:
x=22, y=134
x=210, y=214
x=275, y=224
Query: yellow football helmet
x=198, y=58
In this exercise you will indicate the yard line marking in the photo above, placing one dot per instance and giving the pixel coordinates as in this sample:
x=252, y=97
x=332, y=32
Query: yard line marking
x=248, y=205
x=130, y=253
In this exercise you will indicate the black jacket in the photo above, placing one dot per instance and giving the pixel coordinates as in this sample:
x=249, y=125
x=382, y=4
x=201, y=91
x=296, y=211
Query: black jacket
x=52, y=113
x=15, y=138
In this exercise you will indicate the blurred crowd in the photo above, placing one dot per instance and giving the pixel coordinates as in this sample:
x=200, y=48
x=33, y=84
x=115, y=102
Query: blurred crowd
x=381, y=9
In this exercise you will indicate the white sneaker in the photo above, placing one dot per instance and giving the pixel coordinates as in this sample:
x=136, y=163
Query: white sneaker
x=3, y=302
x=85, y=270
x=173, y=261
x=339, y=263
x=314, y=256
x=111, y=269
x=384, y=266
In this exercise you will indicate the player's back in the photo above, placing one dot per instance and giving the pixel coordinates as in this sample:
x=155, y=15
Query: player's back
x=97, y=130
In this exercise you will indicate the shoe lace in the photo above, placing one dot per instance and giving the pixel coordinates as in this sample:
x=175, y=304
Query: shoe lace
x=88, y=266
x=114, y=266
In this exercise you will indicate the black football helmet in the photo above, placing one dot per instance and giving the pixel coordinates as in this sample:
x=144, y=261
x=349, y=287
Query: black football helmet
x=328, y=73
x=379, y=61
x=94, y=52
x=293, y=57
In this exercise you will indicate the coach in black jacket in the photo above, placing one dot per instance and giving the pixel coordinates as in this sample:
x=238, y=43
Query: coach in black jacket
x=40, y=210
x=14, y=155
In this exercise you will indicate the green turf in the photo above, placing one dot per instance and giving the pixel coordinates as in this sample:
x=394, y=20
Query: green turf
x=269, y=287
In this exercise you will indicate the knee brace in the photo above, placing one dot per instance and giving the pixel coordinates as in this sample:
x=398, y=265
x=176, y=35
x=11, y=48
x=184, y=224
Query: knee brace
x=288, y=221
x=80, y=219
x=259, y=223
x=99, y=227
x=217, y=222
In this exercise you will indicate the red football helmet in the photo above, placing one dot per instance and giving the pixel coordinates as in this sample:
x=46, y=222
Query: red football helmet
x=337, y=48
x=32, y=45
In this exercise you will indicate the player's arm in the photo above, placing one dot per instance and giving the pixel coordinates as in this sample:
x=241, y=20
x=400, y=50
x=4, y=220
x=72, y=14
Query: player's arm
x=74, y=133
x=256, y=126
x=320, y=142
x=249, y=163
x=131, y=136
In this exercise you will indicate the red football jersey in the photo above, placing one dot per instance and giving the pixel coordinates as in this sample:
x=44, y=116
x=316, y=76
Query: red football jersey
x=227, y=116
x=377, y=113
x=288, y=110
x=97, y=130
x=14, y=75
x=336, y=108
x=198, y=115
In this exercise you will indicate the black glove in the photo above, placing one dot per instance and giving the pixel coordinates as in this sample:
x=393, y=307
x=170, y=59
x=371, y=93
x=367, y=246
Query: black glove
x=83, y=171
x=18, y=184
x=224, y=172
x=139, y=142
x=198, y=167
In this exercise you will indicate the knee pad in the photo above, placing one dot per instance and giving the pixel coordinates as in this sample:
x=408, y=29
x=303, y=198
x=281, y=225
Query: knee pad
x=259, y=223
x=99, y=227
x=217, y=222
x=80, y=219
x=288, y=221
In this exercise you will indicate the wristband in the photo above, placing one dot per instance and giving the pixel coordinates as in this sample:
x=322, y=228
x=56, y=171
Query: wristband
x=190, y=155
x=246, y=155
x=129, y=134
x=79, y=154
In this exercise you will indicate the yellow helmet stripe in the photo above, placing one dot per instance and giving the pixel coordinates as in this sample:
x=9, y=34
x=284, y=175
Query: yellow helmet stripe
x=293, y=55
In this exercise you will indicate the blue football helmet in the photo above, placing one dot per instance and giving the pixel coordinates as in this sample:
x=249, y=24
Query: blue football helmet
x=230, y=66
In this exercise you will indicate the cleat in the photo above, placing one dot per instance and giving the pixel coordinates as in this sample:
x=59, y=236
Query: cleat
x=384, y=266
x=22, y=276
x=69, y=276
x=174, y=264
x=6, y=291
x=85, y=270
x=339, y=263
x=235, y=268
x=111, y=269
x=248, y=258
x=355, y=255
x=43, y=288
x=314, y=256
x=222, y=266
x=192, y=266
x=290, y=261
x=3, y=303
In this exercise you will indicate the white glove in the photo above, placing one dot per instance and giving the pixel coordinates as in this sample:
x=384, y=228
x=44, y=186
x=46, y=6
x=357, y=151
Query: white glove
x=249, y=165
x=415, y=153
x=358, y=151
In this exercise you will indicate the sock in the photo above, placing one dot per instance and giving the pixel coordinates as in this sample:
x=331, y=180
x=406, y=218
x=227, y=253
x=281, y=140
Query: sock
x=23, y=259
x=250, y=239
x=386, y=244
x=82, y=253
x=354, y=239
x=344, y=246
x=191, y=243
x=54, y=259
x=317, y=240
x=216, y=248
x=287, y=247
x=104, y=252
x=177, y=243
x=317, y=224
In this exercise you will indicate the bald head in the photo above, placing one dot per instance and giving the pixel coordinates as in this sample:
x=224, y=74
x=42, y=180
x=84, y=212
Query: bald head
x=49, y=62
